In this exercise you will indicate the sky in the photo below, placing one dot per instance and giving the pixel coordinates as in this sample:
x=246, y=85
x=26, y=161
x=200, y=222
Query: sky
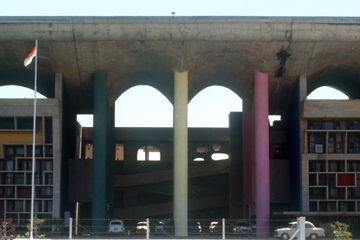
x=204, y=110
x=181, y=8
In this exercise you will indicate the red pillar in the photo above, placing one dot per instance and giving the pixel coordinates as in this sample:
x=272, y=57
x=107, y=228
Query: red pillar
x=262, y=169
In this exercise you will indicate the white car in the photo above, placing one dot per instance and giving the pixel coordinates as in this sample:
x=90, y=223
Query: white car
x=116, y=226
x=311, y=231
x=141, y=227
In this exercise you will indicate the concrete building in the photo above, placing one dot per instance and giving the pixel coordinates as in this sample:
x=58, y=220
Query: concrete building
x=16, y=156
x=271, y=63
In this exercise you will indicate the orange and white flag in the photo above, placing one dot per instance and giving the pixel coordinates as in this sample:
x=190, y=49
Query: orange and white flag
x=29, y=59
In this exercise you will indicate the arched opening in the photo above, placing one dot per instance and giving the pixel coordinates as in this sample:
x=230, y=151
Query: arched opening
x=143, y=106
x=14, y=91
x=139, y=106
x=326, y=92
x=211, y=107
x=219, y=156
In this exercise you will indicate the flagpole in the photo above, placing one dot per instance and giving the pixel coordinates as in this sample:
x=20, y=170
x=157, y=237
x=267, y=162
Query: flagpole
x=33, y=148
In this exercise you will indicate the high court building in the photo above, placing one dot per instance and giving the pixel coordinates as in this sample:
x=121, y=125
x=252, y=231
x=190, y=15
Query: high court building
x=307, y=164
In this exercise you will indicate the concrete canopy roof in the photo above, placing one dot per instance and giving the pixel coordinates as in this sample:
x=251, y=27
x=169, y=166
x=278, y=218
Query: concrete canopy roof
x=215, y=50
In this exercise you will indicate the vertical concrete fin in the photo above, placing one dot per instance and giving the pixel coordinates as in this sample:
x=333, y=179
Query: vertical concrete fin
x=302, y=88
x=59, y=86
x=236, y=165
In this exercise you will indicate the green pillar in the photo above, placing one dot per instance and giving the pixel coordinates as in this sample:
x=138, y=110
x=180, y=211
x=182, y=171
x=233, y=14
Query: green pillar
x=103, y=154
x=180, y=154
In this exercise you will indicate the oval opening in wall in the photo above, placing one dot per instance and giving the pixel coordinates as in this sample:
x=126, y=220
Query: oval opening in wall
x=219, y=156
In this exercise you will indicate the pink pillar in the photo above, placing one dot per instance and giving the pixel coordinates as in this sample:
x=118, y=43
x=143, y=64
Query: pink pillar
x=262, y=169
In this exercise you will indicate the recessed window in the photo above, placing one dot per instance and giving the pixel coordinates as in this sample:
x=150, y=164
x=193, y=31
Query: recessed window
x=202, y=149
x=216, y=147
x=88, y=151
x=199, y=160
x=148, y=153
x=219, y=156
x=119, y=152
x=274, y=118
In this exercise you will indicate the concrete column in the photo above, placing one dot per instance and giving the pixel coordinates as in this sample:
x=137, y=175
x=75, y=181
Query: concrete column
x=102, y=152
x=236, y=165
x=58, y=86
x=110, y=160
x=57, y=146
x=302, y=88
x=180, y=154
x=299, y=168
x=262, y=172
x=248, y=160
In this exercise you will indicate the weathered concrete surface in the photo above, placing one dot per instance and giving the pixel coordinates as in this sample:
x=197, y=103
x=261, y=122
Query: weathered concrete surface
x=330, y=109
x=215, y=50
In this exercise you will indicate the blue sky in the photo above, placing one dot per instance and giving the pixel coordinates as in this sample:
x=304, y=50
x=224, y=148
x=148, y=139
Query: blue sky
x=181, y=8
x=204, y=110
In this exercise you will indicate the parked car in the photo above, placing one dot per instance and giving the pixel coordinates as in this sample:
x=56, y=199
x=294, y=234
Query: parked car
x=159, y=227
x=194, y=227
x=165, y=226
x=311, y=231
x=215, y=227
x=242, y=227
x=141, y=227
x=116, y=226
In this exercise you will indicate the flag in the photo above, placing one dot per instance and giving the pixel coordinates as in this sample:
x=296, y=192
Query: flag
x=29, y=59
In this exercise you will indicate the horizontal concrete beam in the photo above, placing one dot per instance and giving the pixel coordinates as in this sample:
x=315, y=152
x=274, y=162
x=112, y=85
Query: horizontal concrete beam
x=190, y=19
x=330, y=109
x=167, y=175
x=25, y=107
x=179, y=29
x=167, y=208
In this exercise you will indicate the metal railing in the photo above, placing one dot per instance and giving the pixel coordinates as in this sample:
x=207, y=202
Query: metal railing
x=155, y=228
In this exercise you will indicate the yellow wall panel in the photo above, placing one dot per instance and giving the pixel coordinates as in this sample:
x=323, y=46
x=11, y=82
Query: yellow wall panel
x=24, y=137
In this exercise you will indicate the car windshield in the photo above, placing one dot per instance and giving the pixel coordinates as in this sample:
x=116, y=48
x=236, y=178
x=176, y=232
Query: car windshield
x=116, y=223
x=294, y=225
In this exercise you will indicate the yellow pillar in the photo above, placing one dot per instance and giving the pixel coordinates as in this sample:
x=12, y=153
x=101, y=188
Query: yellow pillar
x=180, y=154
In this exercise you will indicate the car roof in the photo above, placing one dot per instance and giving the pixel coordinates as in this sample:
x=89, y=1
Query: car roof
x=305, y=222
x=116, y=221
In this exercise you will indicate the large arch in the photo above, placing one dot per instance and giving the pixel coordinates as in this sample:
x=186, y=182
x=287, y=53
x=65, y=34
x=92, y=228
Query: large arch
x=164, y=84
x=342, y=78
x=219, y=79
x=15, y=91
x=146, y=103
x=211, y=108
x=25, y=78
x=326, y=92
